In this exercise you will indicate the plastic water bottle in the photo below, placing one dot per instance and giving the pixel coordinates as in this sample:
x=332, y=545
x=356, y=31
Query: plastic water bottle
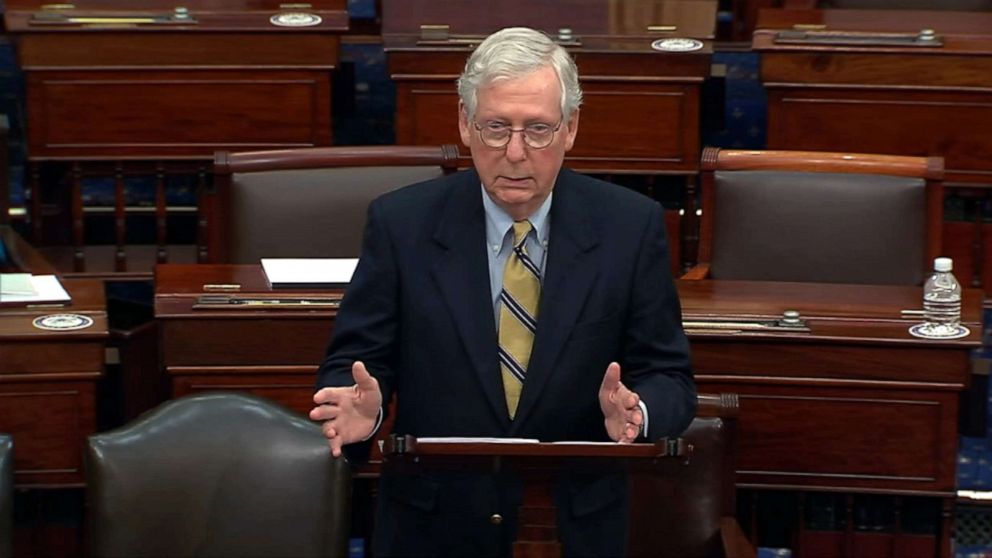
x=942, y=300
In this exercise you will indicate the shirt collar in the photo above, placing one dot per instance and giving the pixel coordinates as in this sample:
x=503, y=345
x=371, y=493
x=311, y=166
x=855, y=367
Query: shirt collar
x=498, y=221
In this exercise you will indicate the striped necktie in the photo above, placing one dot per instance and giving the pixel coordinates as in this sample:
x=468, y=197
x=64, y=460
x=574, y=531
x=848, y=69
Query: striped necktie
x=517, y=316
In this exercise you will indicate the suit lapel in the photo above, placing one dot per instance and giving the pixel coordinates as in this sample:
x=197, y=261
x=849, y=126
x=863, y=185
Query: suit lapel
x=460, y=267
x=567, y=283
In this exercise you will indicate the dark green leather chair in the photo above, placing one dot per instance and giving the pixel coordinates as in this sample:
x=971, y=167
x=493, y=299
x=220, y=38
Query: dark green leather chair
x=218, y=474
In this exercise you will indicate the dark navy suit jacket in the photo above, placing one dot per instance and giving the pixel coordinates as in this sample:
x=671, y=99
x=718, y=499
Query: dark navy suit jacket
x=419, y=314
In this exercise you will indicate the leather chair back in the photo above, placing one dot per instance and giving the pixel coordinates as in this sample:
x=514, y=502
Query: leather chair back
x=828, y=218
x=685, y=507
x=218, y=474
x=6, y=496
x=310, y=202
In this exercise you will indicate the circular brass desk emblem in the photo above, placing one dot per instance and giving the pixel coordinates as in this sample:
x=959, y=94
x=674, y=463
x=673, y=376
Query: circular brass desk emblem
x=62, y=322
x=924, y=332
x=677, y=45
x=295, y=19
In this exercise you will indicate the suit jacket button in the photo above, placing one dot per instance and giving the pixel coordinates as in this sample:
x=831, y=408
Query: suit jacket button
x=496, y=519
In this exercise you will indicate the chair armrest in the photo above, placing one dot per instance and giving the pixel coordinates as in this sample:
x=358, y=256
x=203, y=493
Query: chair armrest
x=697, y=272
x=735, y=544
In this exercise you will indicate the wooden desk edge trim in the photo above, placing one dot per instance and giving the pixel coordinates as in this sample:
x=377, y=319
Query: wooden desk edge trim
x=831, y=382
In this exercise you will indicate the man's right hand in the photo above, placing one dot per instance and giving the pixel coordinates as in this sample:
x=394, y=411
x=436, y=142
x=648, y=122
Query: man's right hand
x=349, y=413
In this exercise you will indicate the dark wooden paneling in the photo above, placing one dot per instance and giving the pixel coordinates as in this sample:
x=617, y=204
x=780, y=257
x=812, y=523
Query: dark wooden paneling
x=625, y=85
x=50, y=357
x=906, y=100
x=901, y=122
x=50, y=422
x=233, y=341
x=184, y=49
x=48, y=387
x=847, y=437
x=295, y=391
x=823, y=360
x=192, y=113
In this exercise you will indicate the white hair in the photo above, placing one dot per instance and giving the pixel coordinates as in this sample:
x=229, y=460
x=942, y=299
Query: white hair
x=516, y=52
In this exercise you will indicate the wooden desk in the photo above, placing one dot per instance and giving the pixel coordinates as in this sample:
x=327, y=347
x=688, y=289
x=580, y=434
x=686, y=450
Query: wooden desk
x=228, y=79
x=270, y=352
x=856, y=404
x=48, y=384
x=641, y=107
x=805, y=396
x=152, y=100
x=905, y=100
x=815, y=405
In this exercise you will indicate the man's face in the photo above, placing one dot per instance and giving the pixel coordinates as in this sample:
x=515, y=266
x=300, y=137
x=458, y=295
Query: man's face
x=518, y=177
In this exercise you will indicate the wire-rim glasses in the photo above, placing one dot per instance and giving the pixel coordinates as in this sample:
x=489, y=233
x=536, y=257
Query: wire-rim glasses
x=496, y=134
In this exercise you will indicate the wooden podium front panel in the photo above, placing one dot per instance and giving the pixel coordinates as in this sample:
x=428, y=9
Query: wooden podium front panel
x=48, y=387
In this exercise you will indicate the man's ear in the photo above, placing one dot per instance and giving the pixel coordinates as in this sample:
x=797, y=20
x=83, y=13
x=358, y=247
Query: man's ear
x=573, y=129
x=464, y=128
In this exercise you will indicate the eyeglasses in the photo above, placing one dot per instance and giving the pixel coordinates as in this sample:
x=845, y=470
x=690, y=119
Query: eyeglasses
x=497, y=134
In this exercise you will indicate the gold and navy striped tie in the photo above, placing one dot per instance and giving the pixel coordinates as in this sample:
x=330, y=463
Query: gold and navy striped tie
x=517, y=316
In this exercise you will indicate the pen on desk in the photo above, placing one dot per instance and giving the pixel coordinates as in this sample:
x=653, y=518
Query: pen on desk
x=911, y=312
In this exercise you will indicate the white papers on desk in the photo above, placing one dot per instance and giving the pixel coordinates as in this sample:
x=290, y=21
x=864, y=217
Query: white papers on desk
x=16, y=284
x=471, y=440
x=298, y=273
x=45, y=288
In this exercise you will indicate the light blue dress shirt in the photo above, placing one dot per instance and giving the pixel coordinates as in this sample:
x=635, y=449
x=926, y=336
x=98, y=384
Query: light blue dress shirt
x=499, y=242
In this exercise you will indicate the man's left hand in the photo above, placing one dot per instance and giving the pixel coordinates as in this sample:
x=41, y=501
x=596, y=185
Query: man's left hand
x=623, y=416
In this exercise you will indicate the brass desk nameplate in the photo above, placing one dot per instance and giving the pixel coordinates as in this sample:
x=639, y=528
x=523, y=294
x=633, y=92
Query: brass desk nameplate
x=227, y=302
x=440, y=35
x=790, y=322
x=180, y=16
x=925, y=38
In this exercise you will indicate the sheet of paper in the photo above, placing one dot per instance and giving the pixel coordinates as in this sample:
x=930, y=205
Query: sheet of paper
x=470, y=440
x=47, y=288
x=583, y=443
x=309, y=272
x=16, y=284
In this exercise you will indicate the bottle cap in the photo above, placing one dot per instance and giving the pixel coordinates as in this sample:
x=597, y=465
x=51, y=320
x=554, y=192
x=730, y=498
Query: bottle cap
x=943, y=264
